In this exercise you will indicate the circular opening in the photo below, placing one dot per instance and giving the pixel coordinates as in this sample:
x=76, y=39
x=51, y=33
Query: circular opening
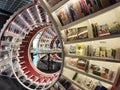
x=46, y=51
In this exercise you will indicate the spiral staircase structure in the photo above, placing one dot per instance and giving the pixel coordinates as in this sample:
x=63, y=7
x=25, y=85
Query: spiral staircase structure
x=19, y=32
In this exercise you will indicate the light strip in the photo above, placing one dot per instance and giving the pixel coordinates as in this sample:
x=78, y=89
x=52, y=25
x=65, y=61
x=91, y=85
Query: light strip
x=31, y=16
x=25, y=22
x=38, y=13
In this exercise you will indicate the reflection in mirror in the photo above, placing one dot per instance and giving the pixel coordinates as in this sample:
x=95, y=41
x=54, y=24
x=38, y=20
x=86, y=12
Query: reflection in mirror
x=46, y=51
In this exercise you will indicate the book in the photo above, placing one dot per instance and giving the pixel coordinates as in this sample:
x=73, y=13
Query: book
x=83, y=64
x=102, y=72
x=73, y=61
x=80, y=50
x=114, y=28
x=117, y=55
x=71, y=34
x=63, y=16
x=89, y=51
x=95, y=29
x=89, y=83
x=72, y=49
x=75, y=76
x=103, y=30
x=90, y=6
x=74, y=10
x=105, y=3
x=84, y=7
x=82, y=32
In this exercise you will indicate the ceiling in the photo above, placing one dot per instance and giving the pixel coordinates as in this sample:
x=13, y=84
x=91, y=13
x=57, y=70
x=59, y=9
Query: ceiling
x=10, y=6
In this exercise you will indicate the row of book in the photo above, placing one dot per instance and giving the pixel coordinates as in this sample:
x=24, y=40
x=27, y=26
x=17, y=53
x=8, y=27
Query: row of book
x=77, y=9
x=88, y=83
x=84, y=64
x=105, y=29
x=67, y=84
x=76, y=33
x=89, y=50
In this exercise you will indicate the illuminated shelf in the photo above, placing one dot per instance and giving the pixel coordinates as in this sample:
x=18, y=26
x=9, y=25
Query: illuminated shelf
x=90, y=16
x=89, y=74
x=74, y=82
x=96, y=58
x=93, y=39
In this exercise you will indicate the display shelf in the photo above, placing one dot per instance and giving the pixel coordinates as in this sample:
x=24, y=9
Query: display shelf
x=96, y=58
x=61, y=85
x=89, y=74
x=74, y=82
x=93, y=39
x=89, y=16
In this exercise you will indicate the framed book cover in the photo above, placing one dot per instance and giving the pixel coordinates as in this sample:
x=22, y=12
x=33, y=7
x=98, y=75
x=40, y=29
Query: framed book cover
x=72, y=49
x=73, y=61
x=103, y=30
x=89, y=83
x=103, y=72
x=83, y=64
x=114, y=28
x=82, y=32
x=80, y=50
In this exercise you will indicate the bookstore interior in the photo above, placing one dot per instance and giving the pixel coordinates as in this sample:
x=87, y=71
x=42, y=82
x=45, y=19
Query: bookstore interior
x=59, y=45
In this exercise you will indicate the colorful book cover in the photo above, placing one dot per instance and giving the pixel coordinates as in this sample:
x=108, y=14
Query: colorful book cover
x=71, y=34
x=83, y=64
x=82, y=32
x=90, y=6
x=102, y=72
x=103, y=30
x=72, y=49
x=75, y=10
x=80, y=50
x=63, y=17
x=114, y=28
x=84, y=7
